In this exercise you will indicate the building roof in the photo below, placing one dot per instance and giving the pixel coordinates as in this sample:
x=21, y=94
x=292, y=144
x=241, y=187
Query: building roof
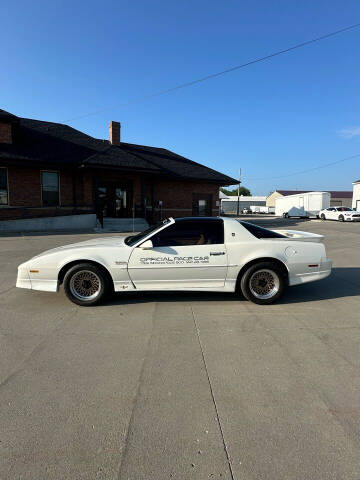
x=244, y=198
x=341, y=193
x=56, y=143
x=285, y=193
x=6, y=116
x=333, y=193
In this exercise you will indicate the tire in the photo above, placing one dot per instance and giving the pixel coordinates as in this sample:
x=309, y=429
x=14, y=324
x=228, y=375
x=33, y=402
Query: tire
x=322, y=216
x=255, y=283
x=341, y=218
x=86, y=284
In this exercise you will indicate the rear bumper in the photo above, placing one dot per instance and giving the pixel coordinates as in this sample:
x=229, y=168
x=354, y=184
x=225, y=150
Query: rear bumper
x=323, y=272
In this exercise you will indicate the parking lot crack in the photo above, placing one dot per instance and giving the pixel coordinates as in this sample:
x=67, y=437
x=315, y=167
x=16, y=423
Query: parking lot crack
x=213, y=396
x=137, y=395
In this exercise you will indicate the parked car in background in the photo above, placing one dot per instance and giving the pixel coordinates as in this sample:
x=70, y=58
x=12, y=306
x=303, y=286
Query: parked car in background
x=341, y=214
x=203, y=254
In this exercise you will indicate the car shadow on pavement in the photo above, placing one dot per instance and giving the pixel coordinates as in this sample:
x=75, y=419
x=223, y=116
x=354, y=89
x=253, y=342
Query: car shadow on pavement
x=343, y=282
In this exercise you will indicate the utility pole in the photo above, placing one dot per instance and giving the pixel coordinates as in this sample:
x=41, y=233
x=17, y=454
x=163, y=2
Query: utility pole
x=238, y=202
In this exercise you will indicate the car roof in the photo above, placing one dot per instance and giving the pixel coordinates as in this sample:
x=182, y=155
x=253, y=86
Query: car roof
x=198, y=219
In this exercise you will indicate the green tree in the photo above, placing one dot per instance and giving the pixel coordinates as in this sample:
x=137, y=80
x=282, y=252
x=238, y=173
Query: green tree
x=243, y=191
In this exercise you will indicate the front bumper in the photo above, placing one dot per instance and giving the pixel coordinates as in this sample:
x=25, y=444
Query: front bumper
x=23, y=278
x=323, y=272
x=31, y=281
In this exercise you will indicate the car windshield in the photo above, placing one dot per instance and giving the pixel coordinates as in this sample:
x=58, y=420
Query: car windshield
x=344, y=209
x=132, y=239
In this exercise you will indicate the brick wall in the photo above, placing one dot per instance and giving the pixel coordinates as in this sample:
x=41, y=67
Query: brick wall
x=25, y=194
x=176, y=196
x=66, y=188
x=5, y=133
x=24, y=187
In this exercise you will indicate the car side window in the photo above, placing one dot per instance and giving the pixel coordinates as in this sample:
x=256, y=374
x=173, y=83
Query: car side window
x=190, y=232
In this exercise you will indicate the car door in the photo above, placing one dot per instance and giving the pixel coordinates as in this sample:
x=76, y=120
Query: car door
x=330, y=213
x=188, y=254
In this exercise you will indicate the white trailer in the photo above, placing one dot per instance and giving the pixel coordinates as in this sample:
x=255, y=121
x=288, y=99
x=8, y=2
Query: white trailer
x=302, y=205
x=261, y=209
x=267, y=209
x=255, y=208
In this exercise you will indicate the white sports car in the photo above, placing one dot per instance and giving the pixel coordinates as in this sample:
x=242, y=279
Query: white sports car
x=342, y=214
x=203, y=254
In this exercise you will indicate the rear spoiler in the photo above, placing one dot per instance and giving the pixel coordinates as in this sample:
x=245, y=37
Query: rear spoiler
x=297, y=235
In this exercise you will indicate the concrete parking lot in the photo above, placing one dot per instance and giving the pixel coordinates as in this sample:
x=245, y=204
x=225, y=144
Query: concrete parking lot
x=182, y=385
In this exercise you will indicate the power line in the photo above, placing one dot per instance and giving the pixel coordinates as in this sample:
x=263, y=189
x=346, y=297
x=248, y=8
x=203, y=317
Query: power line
x=218, y=74
x=308, y=170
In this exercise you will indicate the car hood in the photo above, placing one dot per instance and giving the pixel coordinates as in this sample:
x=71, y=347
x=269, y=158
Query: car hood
x=101, y=242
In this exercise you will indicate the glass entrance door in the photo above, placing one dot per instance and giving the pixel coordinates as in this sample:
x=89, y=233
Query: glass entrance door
x=121, y=207
x=114, y=200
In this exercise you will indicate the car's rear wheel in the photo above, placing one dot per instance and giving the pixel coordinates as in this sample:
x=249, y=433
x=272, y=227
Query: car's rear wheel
x=263, y=283
x=86, y=284
x=322, y=216
x=341, y=218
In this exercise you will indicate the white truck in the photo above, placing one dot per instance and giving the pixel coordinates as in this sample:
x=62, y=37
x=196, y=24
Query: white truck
x=303, y=205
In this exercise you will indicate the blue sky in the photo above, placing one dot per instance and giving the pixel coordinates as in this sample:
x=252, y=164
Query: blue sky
x=63, y=59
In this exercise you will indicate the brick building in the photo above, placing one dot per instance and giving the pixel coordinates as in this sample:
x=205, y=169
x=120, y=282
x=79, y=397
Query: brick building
x=49, y=169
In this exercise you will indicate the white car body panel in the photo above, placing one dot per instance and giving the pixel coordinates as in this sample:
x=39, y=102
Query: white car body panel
x=191, y=267
x=173, y=267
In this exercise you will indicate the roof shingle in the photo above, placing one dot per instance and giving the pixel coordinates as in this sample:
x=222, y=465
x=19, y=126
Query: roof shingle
x=39, y=141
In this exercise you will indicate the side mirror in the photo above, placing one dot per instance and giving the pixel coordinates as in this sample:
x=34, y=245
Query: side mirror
x=148, y=245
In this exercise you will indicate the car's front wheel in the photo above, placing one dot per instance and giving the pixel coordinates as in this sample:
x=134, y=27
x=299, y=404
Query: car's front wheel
x=341, y=218
x=263, y=283
x=86, y=284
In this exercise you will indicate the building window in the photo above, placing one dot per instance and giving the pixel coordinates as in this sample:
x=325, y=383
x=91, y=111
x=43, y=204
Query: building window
x=202, y=208
x=4, y=197
x=50, y=189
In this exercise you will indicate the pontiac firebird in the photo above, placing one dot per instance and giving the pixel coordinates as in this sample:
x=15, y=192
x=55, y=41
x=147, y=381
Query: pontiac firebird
x=196, y=254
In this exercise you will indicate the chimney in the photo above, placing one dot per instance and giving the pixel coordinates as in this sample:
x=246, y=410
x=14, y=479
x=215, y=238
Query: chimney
x=114, y=133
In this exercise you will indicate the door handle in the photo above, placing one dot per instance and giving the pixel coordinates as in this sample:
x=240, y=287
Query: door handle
x=217, y=253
